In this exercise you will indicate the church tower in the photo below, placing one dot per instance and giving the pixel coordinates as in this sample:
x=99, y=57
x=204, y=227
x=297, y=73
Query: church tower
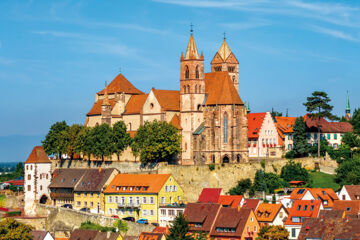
x=192, y=94
x=347, y=108
x=225, y=60
x=106, y=108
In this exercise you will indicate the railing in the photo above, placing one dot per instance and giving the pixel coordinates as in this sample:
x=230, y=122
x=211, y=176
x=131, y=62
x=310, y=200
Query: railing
x=128, y=205
x=61, y=195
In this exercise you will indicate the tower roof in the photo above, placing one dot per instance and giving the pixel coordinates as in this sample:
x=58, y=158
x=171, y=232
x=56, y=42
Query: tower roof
x=224, y=50
x=347, y=103
x=121, y=85
x=191, y=51
x=106, y=97
x=38, y=155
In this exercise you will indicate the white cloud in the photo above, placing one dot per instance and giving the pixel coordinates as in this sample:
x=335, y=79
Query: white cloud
x=334, y=33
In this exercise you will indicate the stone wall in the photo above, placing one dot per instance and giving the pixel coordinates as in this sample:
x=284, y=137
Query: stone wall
x=65, y=220
x=194, y=178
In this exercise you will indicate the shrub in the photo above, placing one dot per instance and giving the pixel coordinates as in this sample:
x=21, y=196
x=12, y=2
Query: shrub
x=212, y=167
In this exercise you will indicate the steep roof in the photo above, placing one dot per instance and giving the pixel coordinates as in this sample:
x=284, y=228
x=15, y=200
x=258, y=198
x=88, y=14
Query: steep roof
x=140, y=183
x=203, y=214
x=285, y=124
x=298, y=193
x=96, y=108
x=151, y=236
x=66, y=178
x=251, y=203
x=224, y=50
x=94, y=179
x=38, y=234
x=191, y=50
x=267, y=212
x=324, y=194
x=303, y=208
x=209, y=195
x=135, y=104
x=175, y=121
x=107, y=236
x=230, y=218
x=169, y=100
x=350, y=207
x=83, y=234
x=120, y=85
x=327, y=127
x=255, y=121
x=353, y=191
x=230, y=200
x=220, y=89
x=38, y=155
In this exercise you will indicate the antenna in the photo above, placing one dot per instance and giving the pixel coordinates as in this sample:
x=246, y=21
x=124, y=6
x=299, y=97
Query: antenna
x=224, y=36
x=191, y=27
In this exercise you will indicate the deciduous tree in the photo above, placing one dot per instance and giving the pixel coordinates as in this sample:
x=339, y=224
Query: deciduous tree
x=242, y=187
x=101, y=140
x=294, y=171
x=274, y=232
x=83, y=144
x=348, y=172
x=121, y=139
x=11, y=229
x=72, y=133
x=55, y=141
x=318, y=106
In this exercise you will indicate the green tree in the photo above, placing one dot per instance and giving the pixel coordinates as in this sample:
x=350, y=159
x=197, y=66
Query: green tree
x=179, y=229
x=301, y=148
x=83, y=144
x=19, y=171
x=294, y=171
x=324, y=147
x=55, y=141
x=121, y=226
x=348, y=172
x=355, y=121
x=268, y=182
x=156, y=141
x=274, y=232
x=72, y=133
x=275, y=113
x=121, y=138
x=101, y=140
x=350, y=140
x=318, y=106
x=241, y=187
x=93, y=226
x=10, y=229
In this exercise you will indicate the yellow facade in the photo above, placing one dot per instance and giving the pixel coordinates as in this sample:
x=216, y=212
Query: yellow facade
x=92, y=200
x=143, y=205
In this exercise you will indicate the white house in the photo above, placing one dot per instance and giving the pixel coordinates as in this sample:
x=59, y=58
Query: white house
x=41, y=235
x=167, y=214
x=37, y=178
x=349, y=192
x=271, y=214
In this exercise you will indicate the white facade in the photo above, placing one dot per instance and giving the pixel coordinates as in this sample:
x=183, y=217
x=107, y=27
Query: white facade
x=268, y=138
x=293, y=230
x=279, y=218
x=334, y=139
x=167, y=214
x=37, y=179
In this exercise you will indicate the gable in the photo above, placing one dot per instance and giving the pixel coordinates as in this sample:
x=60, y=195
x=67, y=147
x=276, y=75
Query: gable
x=151, y=104
x=217, y=59
x=232, y=59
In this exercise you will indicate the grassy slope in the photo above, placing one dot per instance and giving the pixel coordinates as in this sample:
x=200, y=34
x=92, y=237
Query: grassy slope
x=2, y=200
x=324, y=180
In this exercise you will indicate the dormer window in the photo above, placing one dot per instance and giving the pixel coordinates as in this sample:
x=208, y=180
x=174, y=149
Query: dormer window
x=348, y=209
x=312, y=207
x=198, y=225
x=145, y=188
x=131, y=188
x=137, y=188
x=305, y=207
x=63, y=180
x=124, y=188
x=117, y=188
x=299, y=207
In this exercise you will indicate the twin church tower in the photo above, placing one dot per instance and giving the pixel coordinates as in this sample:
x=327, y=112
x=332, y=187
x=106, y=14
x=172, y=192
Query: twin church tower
x=207, y=110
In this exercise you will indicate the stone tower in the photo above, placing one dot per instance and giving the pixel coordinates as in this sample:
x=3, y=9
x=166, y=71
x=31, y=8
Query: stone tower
x=106, y=108
x=37, y=179
x=225, y=60
x=347, y=108
x=192, y=94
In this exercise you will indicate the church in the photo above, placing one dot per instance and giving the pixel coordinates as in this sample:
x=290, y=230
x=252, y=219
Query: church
x=207, y=109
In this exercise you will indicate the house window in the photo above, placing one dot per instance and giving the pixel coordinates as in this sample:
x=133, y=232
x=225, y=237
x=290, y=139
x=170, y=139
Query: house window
x=151, y=212
x=123, y=200
x=151, y=200
x=178, y=198
x=29, y=177
x=144, y=200
x=335, y=136
x=144, y=212
x=217, y=69
x=163, y=212
x=293, y=232
x=78, y=203
x=29, y=188
x=231, y=69
x=40, y=187
x=225, y=128
x=171, y=212
x=138, y=200
x=116, y=199
x=91, y=204
x=163, y=200
x=328, y=136
x=348, y=209
x=85, y=194
x=110, y=199
x=130, y=200
x=85, y=204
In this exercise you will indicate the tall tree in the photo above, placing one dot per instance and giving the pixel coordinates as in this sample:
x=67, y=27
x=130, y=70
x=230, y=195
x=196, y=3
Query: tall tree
x=294, y=171
x=179, y=229
x=275, y=114
x=55, y=141
x=241, y=187
x=355, y=121
x=10, y=229
x=348, y=172
x=121, y=138
x=156, y=141
x=72, y=133
x=318, y=106
x=300, y=143
x=101, y=140
x=83, y=144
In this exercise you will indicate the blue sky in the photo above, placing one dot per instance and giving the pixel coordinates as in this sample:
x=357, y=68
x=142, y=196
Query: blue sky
x=54, y=55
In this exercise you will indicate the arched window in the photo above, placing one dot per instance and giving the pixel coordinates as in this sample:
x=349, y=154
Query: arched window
x=196, y=89
x=188, y=88
x=186, y=72
x=213, y=129
x=225, y=128
x=197, y=72
x=129, y=126
x=184, y=89
x=199, y=89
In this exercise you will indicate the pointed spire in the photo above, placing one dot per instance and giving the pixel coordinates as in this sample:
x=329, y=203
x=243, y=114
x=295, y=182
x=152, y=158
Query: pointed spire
x=106, y=97
x=224, y=50
x=191, y=51
x=248, y=107
x=347, y=108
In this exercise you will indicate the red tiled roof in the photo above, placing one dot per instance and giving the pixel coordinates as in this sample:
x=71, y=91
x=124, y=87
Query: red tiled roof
x=151, y=236
x=168, y=99
x=140, y=183
x=284, y=125
x=303, y=208
x=327, y=127
x=175, y=121
x=16, y=182
x=96, y=108
x=220, y=89
x=158, y=229
x=230, y=200
x=202, y=214
x=267, y=212
x=324, y=194
x=350, y=207
x=251, y=203
x=210, y=195
x=121, y=85
x=255, y=121
x=135, y=104
x=353, y=191
x=38, y=155
x=298, y=193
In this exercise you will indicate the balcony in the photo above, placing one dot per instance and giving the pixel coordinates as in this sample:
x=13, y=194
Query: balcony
x=129, y=205
x=61, y=195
